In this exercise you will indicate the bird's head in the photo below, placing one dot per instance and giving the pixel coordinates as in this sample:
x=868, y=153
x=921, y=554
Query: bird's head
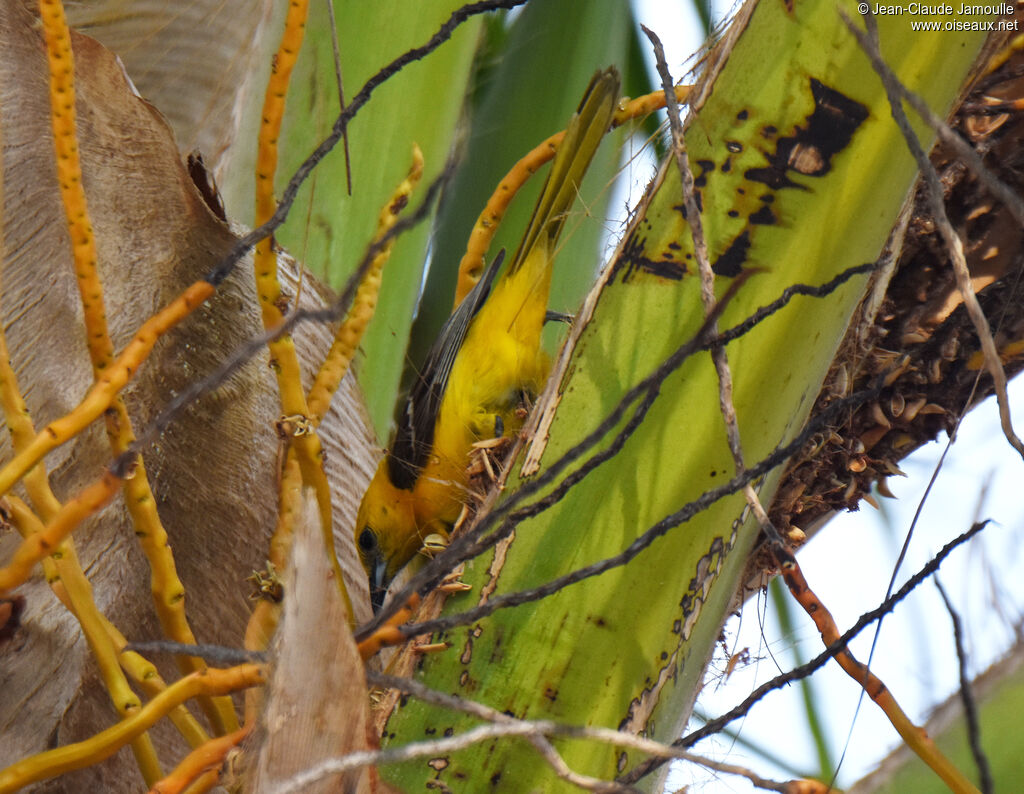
x=386, y=532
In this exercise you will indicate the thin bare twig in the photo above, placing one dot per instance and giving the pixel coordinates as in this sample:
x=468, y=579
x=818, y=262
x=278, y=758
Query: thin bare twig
x=994, y=365
x=479, y=710
x=700, y=247
x=967, y=696
x=903, y=555
x=499, y=725
x=255, y=344
x=819, y=661
x=693, y=218
x=341, y=92
x=245, y=243
x=427, y=749
x=557, y=763
x=606, y=735
x=949, y=136
x=218, y=654
x=734, y=769
x=718, y=354
x=707, y=290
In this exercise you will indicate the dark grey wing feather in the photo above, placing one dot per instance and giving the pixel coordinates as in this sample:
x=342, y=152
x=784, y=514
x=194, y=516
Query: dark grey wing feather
x=415, y=435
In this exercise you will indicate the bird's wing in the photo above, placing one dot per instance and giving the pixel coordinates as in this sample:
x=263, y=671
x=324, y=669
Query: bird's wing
x=415, y=436
x=586, y=128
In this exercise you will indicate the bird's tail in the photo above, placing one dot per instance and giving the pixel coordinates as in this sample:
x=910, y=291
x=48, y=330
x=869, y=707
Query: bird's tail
x=587, y=127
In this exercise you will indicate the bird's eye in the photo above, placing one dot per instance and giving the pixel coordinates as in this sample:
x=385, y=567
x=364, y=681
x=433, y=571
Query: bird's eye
x=367, y=540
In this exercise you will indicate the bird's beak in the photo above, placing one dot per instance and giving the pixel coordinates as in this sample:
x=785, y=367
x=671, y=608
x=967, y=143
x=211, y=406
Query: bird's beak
x=378, y=584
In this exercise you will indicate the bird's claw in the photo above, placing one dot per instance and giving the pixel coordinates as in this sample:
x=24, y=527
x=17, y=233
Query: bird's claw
x=433, y=544
x=453, y=583
x=429, y=647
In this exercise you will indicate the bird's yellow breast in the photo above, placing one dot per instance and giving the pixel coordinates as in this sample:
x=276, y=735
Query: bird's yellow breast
x=500, y=361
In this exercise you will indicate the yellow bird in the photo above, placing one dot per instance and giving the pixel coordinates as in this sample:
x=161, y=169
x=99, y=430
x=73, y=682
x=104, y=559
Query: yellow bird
x=486, y=359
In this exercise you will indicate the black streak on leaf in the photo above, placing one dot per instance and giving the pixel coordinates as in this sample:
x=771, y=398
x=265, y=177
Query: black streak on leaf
x=633, y=259
x=730, y=263
x=706, y=167
x=698, y=197
x=810, y=149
